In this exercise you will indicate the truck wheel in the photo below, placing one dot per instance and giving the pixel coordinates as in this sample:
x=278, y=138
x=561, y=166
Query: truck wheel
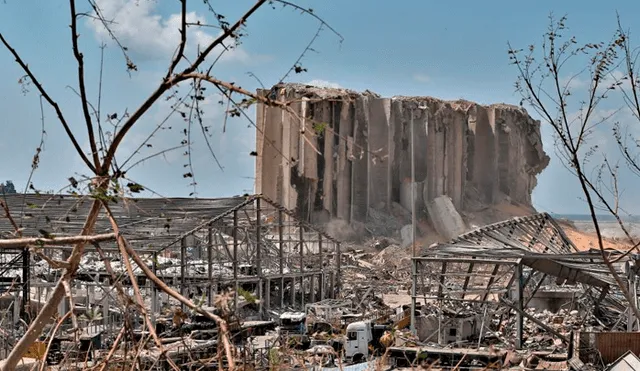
x=358, y=358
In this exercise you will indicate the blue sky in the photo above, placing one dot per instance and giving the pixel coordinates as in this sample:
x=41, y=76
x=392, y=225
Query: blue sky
x=411, y=47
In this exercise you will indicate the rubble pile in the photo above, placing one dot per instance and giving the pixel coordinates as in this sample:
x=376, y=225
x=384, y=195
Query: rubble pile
x=380, y=223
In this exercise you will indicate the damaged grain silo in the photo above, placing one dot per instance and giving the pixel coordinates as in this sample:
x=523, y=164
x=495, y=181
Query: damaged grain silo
x=337, y=153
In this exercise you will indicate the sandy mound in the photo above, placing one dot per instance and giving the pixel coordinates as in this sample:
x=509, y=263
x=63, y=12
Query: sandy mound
x=587, y=240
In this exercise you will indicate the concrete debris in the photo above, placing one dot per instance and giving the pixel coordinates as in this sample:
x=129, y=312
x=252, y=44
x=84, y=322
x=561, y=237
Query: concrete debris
x=381, y=223
x=406, y=235
x=406, y=193
x=445, y=218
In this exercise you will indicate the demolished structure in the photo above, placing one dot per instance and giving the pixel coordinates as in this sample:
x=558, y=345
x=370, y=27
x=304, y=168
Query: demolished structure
x=491, y=277
x=513, y=294
x=336, y=153
x=202, y=248
x=517, y=294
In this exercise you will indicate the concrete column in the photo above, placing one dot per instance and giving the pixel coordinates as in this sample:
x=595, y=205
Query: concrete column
x=457, y=150
x=378, y=134
x=269, y=159
x=327, y=127
x=291, y=127
x=267, y=295
x=343, y=174
x=360, y=163
x=519, y=306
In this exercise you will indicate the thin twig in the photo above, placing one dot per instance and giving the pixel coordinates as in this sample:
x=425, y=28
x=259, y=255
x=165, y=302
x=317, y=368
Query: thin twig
x=81, y=84
x=158, y=127
x=35, y=162
x=183, y=39
x=51, y=102
x=192, y=176
x=204, y=131
x=167, y=84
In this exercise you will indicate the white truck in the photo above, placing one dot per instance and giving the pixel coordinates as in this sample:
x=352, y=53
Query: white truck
x=363, y=338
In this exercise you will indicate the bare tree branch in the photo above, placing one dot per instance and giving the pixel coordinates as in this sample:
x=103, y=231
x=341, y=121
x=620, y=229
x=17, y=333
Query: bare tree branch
x=51, y=102
x=11, y=243
x=183, y=39
x=81, y=84
x=50, y=307
x=532, y=90
x=170, y=82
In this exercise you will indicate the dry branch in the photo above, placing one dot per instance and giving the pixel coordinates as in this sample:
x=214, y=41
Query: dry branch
x=50, y=307
x=222, y=324
x=7, y=214
x=81, y=83
x=167, y=84
x=533, y=74
x=134, y=283
x=58, y=241
x=51, y=102
x=183, y=39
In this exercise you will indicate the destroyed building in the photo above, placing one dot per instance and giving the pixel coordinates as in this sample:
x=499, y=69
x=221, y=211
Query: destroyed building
x=336, y=153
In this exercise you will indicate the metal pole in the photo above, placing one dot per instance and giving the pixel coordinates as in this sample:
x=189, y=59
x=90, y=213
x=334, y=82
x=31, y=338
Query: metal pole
x=259, y=254
x=413, y=229
x=235, y=258
x=211, y=293
x=520, y=307
x=183, y=268
x=26, y=282
x=630, y=316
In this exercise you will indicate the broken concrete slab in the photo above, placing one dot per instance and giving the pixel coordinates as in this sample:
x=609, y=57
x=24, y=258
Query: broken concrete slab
x=405, y=195
x=445, y=218
x=406, y=234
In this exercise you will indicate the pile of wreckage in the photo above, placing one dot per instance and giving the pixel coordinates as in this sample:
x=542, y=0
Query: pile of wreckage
x=469, y=312
x=519, y=295
x=511, y=295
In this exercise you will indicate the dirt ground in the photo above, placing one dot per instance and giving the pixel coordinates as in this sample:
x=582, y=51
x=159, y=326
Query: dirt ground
x=582, y=239
x=587, y=240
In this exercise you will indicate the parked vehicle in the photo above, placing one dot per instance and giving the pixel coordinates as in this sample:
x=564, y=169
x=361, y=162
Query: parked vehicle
x=363, y=340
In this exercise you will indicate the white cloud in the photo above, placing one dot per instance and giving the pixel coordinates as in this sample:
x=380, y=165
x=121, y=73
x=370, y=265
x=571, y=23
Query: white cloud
x=421, y=77
x=140, y=27
x=583, y=81
x=324, y=84
x=614, y=77
x=574, y=82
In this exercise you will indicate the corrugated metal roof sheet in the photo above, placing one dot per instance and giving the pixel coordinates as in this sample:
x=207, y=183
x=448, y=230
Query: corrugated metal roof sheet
x=628, y=362
x=147, y=222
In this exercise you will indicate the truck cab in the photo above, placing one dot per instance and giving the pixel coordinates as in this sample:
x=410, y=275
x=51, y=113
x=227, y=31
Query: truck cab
x=293, y=329
x=359, y=337
x=364, y=339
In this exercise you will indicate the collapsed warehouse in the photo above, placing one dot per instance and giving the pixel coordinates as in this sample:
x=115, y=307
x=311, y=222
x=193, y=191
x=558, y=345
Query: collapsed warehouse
x=316, y=270
x=247, y=245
